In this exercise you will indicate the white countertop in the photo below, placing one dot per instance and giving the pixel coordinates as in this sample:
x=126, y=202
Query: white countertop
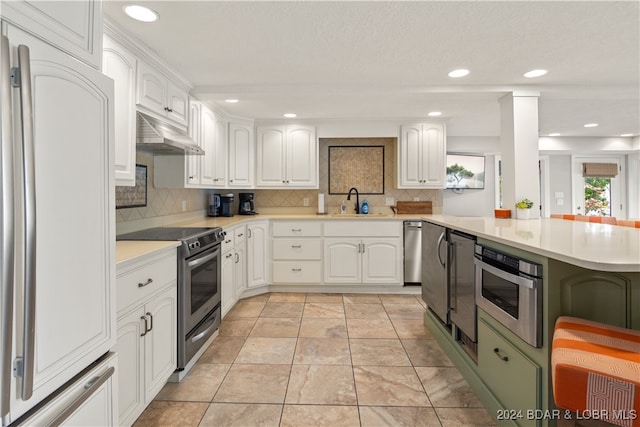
x=599, y=247
x=127, y=250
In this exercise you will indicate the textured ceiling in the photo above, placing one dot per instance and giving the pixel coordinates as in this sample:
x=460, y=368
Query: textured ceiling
x=390, y=59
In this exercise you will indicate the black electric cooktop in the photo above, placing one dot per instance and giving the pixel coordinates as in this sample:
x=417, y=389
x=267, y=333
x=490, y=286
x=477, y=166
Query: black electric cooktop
x=169, y=233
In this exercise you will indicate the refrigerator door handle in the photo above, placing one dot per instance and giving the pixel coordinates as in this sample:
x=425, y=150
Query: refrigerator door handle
x=440, y=240
x=22, y=77
x=90, y=388
x=453, y=279
x=8, y=230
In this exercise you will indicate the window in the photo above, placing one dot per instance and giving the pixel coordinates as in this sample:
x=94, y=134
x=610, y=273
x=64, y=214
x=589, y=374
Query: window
x=595, y=193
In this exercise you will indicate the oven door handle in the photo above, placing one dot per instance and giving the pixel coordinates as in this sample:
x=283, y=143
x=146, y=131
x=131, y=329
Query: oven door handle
x=518, y=280
x=203, y=260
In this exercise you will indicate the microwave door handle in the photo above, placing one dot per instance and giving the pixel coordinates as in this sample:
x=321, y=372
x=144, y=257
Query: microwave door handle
x=8, y=230
x=518, y=280
x=29, y=175
x=202, y=260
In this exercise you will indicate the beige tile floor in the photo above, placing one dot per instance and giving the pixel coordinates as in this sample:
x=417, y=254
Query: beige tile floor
x=287, y=359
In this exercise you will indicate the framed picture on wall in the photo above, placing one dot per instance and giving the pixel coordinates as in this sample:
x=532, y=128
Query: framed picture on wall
x=136, y=196
x=359, y=166
x=465, y=171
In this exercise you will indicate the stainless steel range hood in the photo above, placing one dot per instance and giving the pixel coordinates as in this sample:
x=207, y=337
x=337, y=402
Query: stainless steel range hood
x=155, y=136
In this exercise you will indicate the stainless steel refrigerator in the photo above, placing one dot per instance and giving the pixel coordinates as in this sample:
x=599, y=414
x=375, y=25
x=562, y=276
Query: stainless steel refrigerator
x=57, y=299
x=435, y=287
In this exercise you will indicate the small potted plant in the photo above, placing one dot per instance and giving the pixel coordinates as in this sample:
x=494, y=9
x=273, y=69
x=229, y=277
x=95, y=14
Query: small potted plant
x=523, y=209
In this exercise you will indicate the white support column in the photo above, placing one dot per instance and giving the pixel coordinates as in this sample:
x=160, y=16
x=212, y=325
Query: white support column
x=519, y=149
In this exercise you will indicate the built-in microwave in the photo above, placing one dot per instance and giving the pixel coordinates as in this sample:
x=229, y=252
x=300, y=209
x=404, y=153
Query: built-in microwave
x=510, y=290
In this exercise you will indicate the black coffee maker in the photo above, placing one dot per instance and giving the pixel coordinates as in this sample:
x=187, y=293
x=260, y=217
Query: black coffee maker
x=220, y=204
x=245, y=206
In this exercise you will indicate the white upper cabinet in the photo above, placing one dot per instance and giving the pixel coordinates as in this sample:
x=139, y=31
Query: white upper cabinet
x=287, y=157
x=156, y=94
x=74, y=27
x=194, y=163
x=220, y=153
x=120, y=64
x=241, y=156
x=208, y=138
x=422, y=156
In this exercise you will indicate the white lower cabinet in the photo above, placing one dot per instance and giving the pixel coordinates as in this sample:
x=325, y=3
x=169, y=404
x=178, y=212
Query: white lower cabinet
x=350, y=256
x=362, y=260
x=297, y=252
x=234, y=267
x=257, y=254
x=147, y=332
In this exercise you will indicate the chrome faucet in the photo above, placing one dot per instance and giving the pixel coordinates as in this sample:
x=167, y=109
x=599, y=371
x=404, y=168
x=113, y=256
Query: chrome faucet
x=357, y=198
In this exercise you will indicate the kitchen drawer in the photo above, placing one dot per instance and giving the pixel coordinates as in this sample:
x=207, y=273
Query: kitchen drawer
x=364, y=228
x=513, y=378
x=145, y=278
x=296, y=229
x=239, y=234
x=297, y=271
x=297, y=249
x=229, y=240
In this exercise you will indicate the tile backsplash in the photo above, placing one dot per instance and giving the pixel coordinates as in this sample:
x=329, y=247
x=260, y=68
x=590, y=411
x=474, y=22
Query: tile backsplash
x=162, y=201
x=168, y=201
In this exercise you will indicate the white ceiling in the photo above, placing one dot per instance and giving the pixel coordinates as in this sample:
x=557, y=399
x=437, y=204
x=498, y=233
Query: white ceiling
x=388, y=60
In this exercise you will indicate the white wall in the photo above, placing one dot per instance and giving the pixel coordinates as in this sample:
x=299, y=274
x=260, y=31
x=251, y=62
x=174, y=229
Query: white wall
x=560, y=182
x=473, y=202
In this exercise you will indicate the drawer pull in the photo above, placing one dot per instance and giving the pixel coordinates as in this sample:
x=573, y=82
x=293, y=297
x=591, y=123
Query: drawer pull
x=229, y=256
x=296, y=269
x=241, y=234
x=497, y=353
x=148, y=282
x=296, y=230
x=296, y=246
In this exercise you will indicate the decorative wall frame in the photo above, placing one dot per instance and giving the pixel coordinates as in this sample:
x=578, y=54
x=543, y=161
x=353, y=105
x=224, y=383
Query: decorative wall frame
x=359, y=166
x=133, y=197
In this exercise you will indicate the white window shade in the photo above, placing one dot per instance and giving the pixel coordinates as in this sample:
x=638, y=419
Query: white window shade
x=604, y=170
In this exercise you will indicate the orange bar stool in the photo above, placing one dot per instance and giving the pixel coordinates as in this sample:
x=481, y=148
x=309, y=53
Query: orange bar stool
x=596, y=370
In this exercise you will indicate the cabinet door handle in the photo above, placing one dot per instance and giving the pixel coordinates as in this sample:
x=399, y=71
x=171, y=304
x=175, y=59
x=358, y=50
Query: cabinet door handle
x=296, y=246
x=248, y=233
x=150, y=321
x=146, y=325
x=496, y=351
x=237, y=258
x=148, y=282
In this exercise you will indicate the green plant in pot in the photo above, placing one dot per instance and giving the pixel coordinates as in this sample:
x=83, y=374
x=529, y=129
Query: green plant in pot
x=523, y=209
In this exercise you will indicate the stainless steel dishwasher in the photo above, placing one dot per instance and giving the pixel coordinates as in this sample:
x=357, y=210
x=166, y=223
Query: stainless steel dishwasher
x=412, y=253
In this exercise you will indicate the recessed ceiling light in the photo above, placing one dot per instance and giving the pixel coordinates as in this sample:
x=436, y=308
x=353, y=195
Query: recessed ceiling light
x=140, y=13
x=627, y=134
x=231, y=101
x=554, y=134
x=591, y=125
x=458, y=73
x=290, y=115
x=535, y=73
x=434, y=114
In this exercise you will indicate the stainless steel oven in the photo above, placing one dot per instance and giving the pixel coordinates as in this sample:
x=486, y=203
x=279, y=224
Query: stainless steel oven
x=198, y=297
x=199, y=283
x=510, y=290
